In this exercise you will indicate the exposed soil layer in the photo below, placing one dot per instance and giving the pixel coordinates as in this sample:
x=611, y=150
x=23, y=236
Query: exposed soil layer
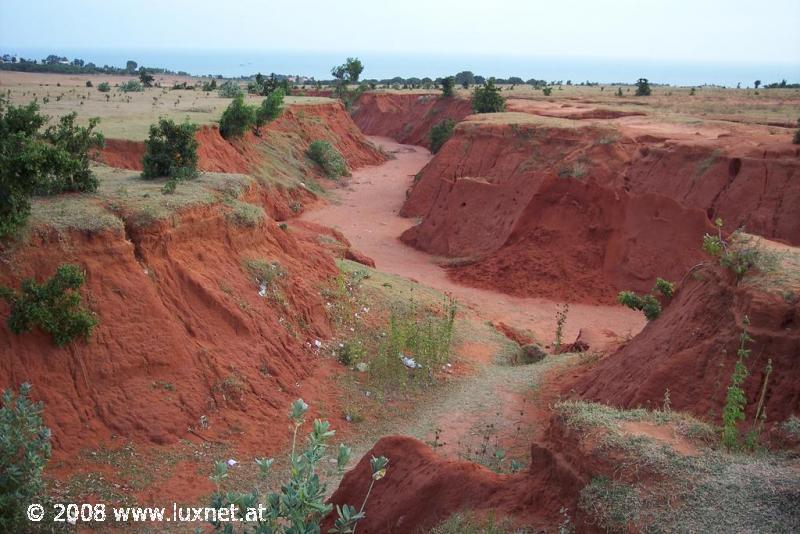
x=534, y=206
x=184, y=333
x=408, y=118
x=691, y=350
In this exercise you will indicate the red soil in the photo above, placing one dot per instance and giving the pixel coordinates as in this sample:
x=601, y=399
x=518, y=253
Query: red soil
x=408, y=118
x=691, y=349
x=183, y=332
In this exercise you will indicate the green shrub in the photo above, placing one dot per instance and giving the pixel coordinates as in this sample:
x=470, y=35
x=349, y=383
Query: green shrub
x=145, y=77
x=487, y=99
x=244, y=213
x=230, y=89
x=35, y=162
x=350, y=352
x=664, y=287
x=740, y=255
x=300, y=506
x=447, y=86
x=236, y=118
x=643, y=87
x=440, y=133
x=104, y=87
x=547, y=91
x=647, y=303
x=735, y=400
x=54, y=306
x=326, y=156
x=132, y=86
x=210, y=86
x=24, y=451
x=796, y=139
x=68, y=157
x=270, y=109
x=170, y=151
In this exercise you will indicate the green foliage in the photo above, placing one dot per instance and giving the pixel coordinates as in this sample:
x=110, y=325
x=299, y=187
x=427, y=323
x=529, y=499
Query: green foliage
x=104, y=87
x=547, y=91
x=740, y=255
x=299, y=506
x=421, y=336
x=643, y=87
x=132, y=86
x=68, y=157
x=487, y=99
x=236, y=118
x=613, y=505
x=647, y=303
x=348, y=72
x=327, y=157
x=230, y=89
x=350, y=352
x=145, y=77
x=270, y=109
x=440, y=133
x=666, y=288
x=36, y=162
x=54, y=306
x=24, y=451
x=170, y=151
x=210, y=86
x=448, y=83
x=735, y=400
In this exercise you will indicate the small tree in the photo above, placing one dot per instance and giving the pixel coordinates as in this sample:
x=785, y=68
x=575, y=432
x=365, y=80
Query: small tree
x=68, y=158
x=24, y=451
x=757, y=84
x=643, y=87
x=270, y=109
x=447, y=86
x=487, y=99
x=170, y=151
x=354, y=69
x=440, y=133
x=131, y=66
x=230, y=89
x=145, y=77
x=236, y=118
x=54, y=306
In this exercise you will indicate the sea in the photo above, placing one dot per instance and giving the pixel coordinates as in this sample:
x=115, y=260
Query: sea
x=234, y=63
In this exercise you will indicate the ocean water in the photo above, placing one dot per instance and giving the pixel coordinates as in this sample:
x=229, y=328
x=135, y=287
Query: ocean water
x=383, y=65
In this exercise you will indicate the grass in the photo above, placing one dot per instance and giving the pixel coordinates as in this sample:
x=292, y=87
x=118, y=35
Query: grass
x=713, y=490
x=244, y=214
x=463, y=523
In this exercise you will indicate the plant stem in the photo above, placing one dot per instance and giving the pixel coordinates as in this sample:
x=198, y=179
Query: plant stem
x=364, y=504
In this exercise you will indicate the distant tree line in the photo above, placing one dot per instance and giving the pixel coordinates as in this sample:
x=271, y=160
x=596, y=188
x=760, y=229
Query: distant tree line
x=63, y=65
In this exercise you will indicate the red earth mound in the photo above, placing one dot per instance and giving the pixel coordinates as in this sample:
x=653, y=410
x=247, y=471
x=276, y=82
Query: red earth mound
x=183, y=331
x=408, y=118
x=691, y=350
x=584, y=243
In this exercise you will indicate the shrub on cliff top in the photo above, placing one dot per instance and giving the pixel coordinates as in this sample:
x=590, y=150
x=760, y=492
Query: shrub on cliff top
x=270, y=109
x=54, y=306
x=327, y=157
x=447, y=86
x=440, y=133
x=170, y=150
x=487, y=99
x=237, y=118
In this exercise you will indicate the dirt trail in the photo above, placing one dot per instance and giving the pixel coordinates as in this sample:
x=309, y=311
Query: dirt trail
x=367, y=214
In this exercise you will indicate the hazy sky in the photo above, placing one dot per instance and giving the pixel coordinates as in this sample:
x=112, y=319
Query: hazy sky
x=746, y=31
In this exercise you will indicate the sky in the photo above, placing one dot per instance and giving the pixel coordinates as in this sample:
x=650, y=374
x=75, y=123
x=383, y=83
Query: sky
x=715, y=31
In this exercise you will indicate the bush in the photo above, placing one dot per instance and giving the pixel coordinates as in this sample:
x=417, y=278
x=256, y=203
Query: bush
x=487, y=99
x=530, y=353
x=327, y=157
x=647, y=303
x=447, y=86
x=270, y=109
x=145, y=77
x=68, y=157
x=796, y=139
x=440, y=133
x=230, y=89
x=236, y=118
x=104, y=87
x=32, y=161
x=54, y=306
x=547, y=91
x=210, y=86
x=132, y=86
x=170, y=151
x=643, y=87
x=740, y=255
x=89, y=83
x=300, y=506
x=24, y=451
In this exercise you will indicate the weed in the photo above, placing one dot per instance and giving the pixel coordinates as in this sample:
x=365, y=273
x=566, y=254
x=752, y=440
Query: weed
x=464, y=523
x=561, y=319
x=740, y=255
x=612, y=504
x=735, y=401
x=244, y=214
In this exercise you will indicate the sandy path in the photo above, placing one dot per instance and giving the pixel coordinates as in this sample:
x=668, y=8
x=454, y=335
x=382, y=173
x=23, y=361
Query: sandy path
x=367, y=214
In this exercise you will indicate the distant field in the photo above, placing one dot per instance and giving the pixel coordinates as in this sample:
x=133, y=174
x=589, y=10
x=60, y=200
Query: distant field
x=769, y=107
x=122, y=115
